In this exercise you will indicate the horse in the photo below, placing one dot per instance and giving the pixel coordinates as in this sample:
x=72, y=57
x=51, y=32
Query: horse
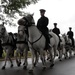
x=68, y=45
x=36, y=41
x=54, y=43
x=61, y=48
x=7, y=43
x=21, y=46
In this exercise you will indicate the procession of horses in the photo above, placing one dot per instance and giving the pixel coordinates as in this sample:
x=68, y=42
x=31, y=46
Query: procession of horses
x=29, y=38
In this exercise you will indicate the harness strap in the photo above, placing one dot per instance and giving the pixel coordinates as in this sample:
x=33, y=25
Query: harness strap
x=21, y=42
x=35, y=40
x=7, y=43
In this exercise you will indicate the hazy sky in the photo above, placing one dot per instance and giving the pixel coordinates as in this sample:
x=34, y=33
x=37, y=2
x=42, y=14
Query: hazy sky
x=60, y=11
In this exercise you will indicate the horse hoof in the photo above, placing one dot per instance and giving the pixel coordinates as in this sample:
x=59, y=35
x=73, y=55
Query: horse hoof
x=23, y=63
x=25, y=67
x=31, y=71
x=44, y=68
x=48, y=58
x=57, y=55
x=11, y=65
x=3, y=68
x=34, y=64
x=60, y=59
x=65, y=57
x=51, y=66
x=19, y=64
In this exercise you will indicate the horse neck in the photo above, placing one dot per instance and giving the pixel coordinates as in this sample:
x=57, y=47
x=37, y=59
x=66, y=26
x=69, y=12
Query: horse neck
x=5, y=37
x=21, y=38
x=33, y=32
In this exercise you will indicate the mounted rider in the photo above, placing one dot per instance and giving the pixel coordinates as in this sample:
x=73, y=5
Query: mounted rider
x=42, y=24
x=56, y=30
x=70, y=35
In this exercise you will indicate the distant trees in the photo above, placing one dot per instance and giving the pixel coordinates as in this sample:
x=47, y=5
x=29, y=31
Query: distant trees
x=10, y=7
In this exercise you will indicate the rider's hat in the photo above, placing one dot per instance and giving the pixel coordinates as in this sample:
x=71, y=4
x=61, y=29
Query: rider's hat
x=42, y=10
x=55, y=24
x=70, y=27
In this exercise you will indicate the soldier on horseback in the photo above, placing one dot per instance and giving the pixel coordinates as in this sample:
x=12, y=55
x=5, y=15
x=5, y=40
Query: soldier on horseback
x=42, y=24
x=56, y=31
x=70, y=35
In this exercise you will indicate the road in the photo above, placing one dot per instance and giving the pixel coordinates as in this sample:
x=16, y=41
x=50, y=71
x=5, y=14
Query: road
x=64, y=67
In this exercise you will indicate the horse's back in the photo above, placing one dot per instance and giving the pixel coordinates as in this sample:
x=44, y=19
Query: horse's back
x=55, y=37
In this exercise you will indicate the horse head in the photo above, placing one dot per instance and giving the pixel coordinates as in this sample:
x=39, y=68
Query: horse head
x=2, y=30
x=21, y=30
x=67, y=39
x=27, y=20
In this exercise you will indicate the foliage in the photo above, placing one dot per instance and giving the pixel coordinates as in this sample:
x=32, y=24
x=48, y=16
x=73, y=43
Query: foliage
x=12, y=6
x=8, y=8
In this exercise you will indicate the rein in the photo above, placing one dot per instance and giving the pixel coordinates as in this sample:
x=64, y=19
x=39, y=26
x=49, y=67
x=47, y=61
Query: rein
x=35, y=40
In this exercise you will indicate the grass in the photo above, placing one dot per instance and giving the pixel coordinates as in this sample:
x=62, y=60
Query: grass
x=4, y=54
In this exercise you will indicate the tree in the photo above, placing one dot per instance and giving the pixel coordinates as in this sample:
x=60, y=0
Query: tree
x=12, y=6
x=8, y=8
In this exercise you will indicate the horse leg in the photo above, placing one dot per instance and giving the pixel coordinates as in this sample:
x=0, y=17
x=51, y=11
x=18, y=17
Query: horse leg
x=60, y=55
x=6, y=57
x=9, y=52
x=52, y=57
x=48, y=55
x=19, y=61
x=36, y=58
x=33, y=56
x=55, y=51
x=42, y=56
x=66, y=52
x=16, y=55
x=70, y=53
x=10, y=61
x=74, y=50
x=25, y=57
x=60, y=52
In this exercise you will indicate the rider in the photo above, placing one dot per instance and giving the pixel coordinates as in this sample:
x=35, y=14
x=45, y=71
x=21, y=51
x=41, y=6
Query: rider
x=56, y=31
x=70, y=35
x=42, y=24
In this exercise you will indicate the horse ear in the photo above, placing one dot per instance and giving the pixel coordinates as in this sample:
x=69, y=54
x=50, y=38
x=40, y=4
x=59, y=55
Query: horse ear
x=32, y=14
x=3, y=23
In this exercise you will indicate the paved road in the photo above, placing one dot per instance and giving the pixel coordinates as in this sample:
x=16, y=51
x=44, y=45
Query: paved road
x=64, y=67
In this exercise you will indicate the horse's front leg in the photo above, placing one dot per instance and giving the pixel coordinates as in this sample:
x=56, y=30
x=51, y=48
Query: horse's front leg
x=16, y=56
x=6, y=57
x=10, y=52
x=25, y=58
x=42, y=56
x=3, y=67
x=36, y=58
x=33, y=56
x=19, y=62
x=70, y=52
x=60, y=52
